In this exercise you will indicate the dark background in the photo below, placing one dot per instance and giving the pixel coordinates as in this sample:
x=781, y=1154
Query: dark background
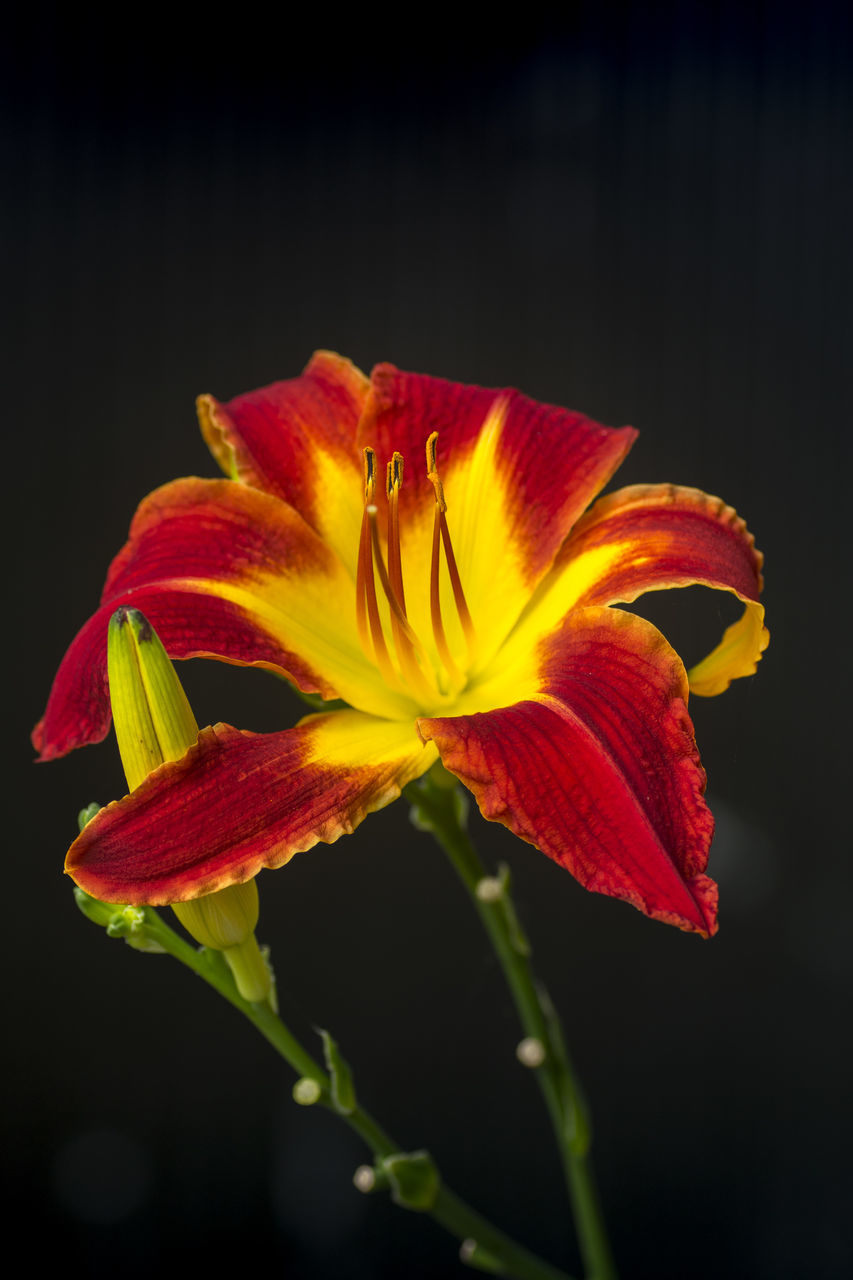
x=641, y=212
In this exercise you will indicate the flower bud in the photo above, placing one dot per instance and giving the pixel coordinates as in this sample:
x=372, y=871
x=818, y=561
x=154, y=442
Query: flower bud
x=364, y=1179
x=221, y=920
x=101, y=913
x=153, y=719
x=530, y=1052
x=307, y=1091
x=489, y=889
x=154, y=724
x=85, y=816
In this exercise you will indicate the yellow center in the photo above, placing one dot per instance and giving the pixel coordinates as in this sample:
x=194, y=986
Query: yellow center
x=401, y=656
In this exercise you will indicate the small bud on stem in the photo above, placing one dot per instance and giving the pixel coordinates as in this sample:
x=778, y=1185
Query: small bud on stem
x=530, y=1052
x=306, y=1092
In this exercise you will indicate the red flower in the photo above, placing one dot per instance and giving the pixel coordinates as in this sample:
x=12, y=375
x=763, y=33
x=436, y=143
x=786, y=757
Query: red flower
x=464, y=611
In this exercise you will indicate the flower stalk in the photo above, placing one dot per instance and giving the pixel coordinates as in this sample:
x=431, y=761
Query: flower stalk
x=439, y=806
x=412, y=1178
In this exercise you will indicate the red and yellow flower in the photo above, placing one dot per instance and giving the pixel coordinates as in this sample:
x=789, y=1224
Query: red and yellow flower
x=419, y=550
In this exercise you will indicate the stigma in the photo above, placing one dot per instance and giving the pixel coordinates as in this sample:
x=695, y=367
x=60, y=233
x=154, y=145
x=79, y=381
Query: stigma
x=427, y=669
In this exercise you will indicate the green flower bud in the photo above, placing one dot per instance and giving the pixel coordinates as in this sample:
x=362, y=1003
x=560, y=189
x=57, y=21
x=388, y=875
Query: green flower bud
x=153, y=719
x=85, y=816
x=101, y=913
x=221, y=920
x=307, y=1091
x=154, y=724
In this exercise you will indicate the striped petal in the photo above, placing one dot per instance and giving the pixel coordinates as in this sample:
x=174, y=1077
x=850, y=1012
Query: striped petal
x=599, y=767
x=221, y=571
x=650, y=537
x=238, y=802
x=296, y=440
x=516, y=474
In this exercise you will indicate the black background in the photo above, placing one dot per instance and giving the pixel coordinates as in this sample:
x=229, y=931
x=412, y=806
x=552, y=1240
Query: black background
x=641, y=212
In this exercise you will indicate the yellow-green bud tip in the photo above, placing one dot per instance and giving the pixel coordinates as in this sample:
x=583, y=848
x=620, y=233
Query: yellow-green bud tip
x=153, y=719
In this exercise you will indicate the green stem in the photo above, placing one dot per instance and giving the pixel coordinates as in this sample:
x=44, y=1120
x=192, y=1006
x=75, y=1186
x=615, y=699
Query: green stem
x=439, y=806
x=484, y=1245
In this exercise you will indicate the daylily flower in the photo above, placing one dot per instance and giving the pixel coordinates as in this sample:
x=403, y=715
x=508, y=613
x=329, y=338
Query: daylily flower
x=419, y=550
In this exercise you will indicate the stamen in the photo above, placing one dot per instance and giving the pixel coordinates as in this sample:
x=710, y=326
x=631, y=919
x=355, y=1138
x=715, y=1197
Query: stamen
x=394, y=482
x=432, y=470
x=435, y=603
x=456, y=584
x=383, y=658
x=441, y=534
x=369, y=623
x=413, y=668
x=365, y=568
x=406, y=642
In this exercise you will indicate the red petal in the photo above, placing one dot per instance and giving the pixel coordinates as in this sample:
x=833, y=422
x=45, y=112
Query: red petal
x=239, y=802
x=555, y=460
x=283, y=437
x=601, y=771
x=189, y=541
x=665, y=536
x=650, y=537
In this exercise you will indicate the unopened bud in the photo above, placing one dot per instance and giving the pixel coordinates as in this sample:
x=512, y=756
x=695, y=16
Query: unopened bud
x=490, y=889
x=306, y=1092
x=472, y=1253
x=530, y=1052
x=85, y=816
x=364, y=1178
x=223, y=919
x=153, y=719
x=154, y=723
x=125, y=921
x=128, y=922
